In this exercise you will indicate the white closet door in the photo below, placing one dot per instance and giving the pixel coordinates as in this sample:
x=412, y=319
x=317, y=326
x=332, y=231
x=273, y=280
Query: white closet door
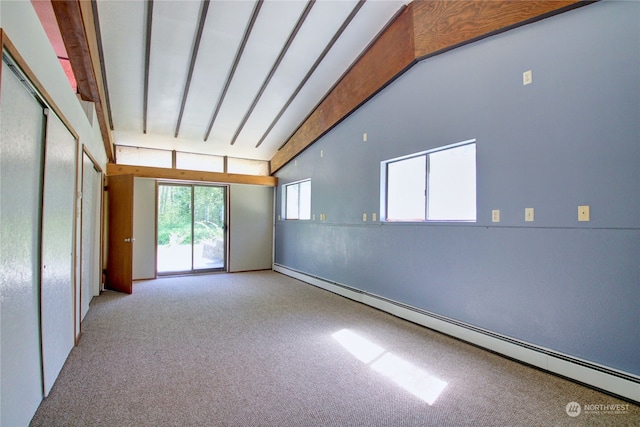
x=57, y=249
x=90, y=257
x=21, y=141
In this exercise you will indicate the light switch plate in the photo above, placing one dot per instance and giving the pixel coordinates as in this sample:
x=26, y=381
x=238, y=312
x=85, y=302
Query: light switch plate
x=528, y=214
x=583, y=213
x=527, y=78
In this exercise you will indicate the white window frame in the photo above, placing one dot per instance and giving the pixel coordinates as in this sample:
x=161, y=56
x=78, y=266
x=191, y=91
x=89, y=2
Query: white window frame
x=303, y=213
x=425, y=217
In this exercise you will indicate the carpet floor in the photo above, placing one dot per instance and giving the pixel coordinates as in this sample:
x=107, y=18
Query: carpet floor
x=263, y=349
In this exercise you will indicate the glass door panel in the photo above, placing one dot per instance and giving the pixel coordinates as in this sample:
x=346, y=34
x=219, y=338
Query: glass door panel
x=191, y=228
x=209, y=227
x=174, y=228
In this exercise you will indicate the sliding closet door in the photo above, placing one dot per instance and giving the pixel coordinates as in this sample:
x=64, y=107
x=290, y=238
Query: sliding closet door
x=21, y=141
x=58, y=335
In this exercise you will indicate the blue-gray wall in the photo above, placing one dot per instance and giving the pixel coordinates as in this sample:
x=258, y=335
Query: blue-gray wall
x=571, y=138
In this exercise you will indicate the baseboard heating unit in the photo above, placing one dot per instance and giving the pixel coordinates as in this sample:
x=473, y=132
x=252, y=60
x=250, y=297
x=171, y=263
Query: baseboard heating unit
x=609, y=380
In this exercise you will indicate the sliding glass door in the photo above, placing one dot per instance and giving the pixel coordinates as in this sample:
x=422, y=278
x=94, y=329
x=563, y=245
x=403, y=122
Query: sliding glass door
x=191, y=228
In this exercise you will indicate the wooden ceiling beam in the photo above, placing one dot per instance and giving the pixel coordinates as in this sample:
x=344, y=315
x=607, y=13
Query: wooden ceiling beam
x=77, y=26
x=423, y=29
x=69, y=17
x=442, y=25
x=190, y=175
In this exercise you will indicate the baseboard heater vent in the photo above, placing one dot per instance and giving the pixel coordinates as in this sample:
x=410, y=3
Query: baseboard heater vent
x=619, y=383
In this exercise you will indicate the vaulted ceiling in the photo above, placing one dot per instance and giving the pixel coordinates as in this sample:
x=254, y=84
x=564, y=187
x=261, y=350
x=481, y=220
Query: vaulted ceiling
x=257, y=79
x=232, y=78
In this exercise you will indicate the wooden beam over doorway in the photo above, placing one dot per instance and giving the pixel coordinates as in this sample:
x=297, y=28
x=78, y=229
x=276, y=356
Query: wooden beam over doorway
x=189, y=175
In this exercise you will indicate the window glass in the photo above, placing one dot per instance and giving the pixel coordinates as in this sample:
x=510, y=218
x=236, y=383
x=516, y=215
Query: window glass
x=451, y=182
x=304, y=206
x=298, y=200
x=136, y=156
x=292, y=195
x=405, y=189
x=199, y=162
x=247, y=167
x=436, y=185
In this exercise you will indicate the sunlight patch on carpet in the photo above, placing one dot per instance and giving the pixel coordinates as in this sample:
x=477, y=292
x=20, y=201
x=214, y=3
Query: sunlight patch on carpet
x=363, y=349
x=403, y=373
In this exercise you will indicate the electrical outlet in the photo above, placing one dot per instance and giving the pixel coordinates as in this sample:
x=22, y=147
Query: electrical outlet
x=528, y=214
x=583, y=213
x=364, y=217
x=364, y=137
x=527, y=78
x=374, y=217
x=495, y=215
x=313, y=216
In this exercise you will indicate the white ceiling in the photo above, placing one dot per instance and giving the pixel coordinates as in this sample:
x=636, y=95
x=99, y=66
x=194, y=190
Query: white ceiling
x=173, y=34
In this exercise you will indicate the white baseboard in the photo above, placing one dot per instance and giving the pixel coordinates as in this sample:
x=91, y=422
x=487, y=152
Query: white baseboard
x=607, y=379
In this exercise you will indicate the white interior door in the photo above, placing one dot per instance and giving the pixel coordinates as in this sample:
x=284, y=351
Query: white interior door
x=90, y=271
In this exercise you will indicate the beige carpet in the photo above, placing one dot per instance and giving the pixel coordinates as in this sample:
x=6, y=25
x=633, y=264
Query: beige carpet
x=261, y=349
